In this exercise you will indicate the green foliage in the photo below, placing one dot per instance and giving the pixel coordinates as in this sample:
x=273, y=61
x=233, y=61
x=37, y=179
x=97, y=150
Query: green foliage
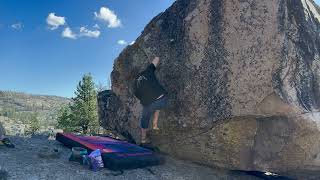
x=83, y=113
x=34, y=124
x=66, y=120
x=8, y=112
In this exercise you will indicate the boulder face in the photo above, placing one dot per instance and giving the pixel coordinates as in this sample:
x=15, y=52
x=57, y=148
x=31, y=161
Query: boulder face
x=243, y=79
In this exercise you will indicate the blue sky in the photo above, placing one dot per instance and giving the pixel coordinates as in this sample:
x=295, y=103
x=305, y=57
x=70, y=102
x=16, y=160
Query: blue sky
x=37, y=57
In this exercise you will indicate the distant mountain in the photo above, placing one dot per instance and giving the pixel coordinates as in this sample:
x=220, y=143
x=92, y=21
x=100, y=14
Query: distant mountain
x=17, y=110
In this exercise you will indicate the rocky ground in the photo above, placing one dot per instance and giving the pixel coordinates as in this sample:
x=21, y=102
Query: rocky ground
x=35, y=159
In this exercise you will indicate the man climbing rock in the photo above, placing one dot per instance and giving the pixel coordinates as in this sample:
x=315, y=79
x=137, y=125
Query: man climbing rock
x=152, y=96
x=3, y=140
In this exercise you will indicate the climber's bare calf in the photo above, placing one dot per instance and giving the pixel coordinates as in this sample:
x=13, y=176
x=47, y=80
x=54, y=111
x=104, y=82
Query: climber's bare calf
x=153, y=108
x=155, y=119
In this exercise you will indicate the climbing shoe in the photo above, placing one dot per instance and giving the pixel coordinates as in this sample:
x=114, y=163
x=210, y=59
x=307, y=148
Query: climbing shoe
x=7, y=143
x=145, y=141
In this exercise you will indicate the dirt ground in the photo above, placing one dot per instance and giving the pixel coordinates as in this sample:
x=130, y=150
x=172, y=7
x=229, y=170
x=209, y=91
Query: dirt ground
x=35, y=159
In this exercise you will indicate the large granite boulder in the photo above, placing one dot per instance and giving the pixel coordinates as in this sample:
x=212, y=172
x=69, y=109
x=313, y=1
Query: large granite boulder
x=243, y=79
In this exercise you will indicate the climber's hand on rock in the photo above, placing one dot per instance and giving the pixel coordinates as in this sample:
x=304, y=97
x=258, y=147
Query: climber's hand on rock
x=156, y=61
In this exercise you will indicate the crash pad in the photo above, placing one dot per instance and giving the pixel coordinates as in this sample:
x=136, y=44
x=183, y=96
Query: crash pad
x=116, y=154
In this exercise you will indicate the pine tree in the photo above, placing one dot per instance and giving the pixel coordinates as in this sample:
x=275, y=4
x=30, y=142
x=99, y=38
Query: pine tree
x=82, y=114
x=34, y=124
x=66, y=122
x=85, y=108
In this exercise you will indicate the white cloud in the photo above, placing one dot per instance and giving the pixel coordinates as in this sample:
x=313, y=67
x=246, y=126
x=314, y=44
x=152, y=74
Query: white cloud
x=17, y=26
x=132, y=42
x=109, y=17
x=96, y=26
x=67, y=33
x=122, y=42
x=55, y=21
x=86, y=32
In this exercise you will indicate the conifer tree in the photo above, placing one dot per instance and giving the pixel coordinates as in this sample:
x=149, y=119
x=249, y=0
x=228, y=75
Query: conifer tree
x=66, y=122
x=82, y=114
x=34, y=124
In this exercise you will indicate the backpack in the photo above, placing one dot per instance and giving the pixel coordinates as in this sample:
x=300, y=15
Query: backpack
x=139, y=83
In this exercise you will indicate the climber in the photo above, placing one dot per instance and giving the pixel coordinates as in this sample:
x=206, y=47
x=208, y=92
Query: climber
x=152, y=96
x=3, y=140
